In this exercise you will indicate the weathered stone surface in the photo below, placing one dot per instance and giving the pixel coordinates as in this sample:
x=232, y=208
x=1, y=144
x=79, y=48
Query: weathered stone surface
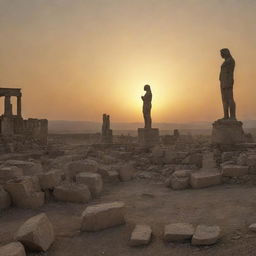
x=206, y=235
x=23, y=193
x=195, y=159
x=36, y=233
x=126, y=172
x=5, y=199
x=251, y=161
x=102, y=216
x=234, y=170
x=148, y=137
x=9, y=172
x=113, y=177
x=92, y=180
x=74, y=193
x=204, y=179
x=227, y=156
x=141, y=235
x=180, y=179
x=252, y=227
x=178, y=232
x=242, y=159
x=49, y=179
x=12, y=249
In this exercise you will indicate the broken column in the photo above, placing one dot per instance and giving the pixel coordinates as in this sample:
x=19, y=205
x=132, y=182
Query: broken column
x=106, y=135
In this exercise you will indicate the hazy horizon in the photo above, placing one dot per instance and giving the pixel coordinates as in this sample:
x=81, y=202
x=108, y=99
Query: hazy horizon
x=76, y=60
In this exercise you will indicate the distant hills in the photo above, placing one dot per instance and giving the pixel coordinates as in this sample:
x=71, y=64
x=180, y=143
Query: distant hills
x=62, y=126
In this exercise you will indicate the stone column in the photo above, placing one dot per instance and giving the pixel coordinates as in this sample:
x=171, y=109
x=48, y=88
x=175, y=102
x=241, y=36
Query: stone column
x=19, y=106
x=7, y=106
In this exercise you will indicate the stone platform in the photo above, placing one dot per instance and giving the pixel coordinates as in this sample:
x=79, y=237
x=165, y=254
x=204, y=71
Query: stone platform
x=148, y=136
x=227, y=132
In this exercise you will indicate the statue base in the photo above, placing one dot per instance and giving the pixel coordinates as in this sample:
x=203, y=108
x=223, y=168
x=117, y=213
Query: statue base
x=107, y=138
x=148, y=136
x=227, y=132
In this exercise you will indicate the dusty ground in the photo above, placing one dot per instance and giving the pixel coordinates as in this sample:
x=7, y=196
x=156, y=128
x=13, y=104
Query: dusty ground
x=232, y=207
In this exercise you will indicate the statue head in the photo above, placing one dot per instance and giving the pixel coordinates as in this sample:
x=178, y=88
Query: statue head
x=147, y=88
x=225, y=53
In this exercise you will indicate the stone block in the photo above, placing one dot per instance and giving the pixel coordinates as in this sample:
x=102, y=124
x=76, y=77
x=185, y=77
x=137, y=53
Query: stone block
x=148, y=137
x=92, y=180
x=12, y=249
x=252, y=227
x=10, y=172
x=180, y=180
x=178, y=232
x=234, y=170
x=113, y=177
x=204, y=179
x=50, y=179
x=206, y=235
x=126, y=172
x=141, y=235
x=102, y=216
x=37, y=233
x=5, y=199
x=74, y=193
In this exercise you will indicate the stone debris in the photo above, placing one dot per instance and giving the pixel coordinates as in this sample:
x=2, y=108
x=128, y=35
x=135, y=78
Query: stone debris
x=252, y=227
x=206, y=235
x=9, y=172
x=37, y=233
x=180, y=180
x=5, y=199
x=126, y=172
x=92, y=180
x=178, y=232
x=74, y=193
x=24, y=192
x=50, y=179
x=234, y=170
x=102, y=216
x=205, y=179
x=141, y=235
x=12, y=249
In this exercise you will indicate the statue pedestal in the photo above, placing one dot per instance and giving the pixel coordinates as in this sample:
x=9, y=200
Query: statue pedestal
x=227, y=132
x=107, y=137
x=148, y=136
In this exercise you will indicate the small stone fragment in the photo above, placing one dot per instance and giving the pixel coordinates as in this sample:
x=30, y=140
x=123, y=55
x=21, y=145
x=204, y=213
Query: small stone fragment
x=178, y=232
x=141, y=235
x=206, y=235
x=12, y=249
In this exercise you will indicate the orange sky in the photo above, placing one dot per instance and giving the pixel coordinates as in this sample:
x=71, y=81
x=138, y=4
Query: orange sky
x=75, y=60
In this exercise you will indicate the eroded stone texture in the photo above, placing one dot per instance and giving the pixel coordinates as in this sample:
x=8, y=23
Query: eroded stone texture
x=126, y=172
x=37, y=233
x=74, y=193
x=50, y=179
x=102, y=216
x=234, y=170
x=5, y=199
x=178, y=232
x=9, y=172
x=206, y=235
x=141, y=235
x=204, y=179
x=92, y=180
x=180, y=179
x=148, y=137
x=12, y=249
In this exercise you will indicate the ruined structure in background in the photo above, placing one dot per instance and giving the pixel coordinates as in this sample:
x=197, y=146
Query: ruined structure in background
x=13, y=126
x=106, y=135
x=148, y=136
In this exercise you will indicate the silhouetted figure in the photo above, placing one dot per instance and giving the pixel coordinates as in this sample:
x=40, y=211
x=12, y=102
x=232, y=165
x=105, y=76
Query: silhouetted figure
x=147, y=98
x=226, y=84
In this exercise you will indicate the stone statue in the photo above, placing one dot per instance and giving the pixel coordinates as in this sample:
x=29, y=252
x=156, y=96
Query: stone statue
x=226, y=84
x=147, y=98
x=106, y=135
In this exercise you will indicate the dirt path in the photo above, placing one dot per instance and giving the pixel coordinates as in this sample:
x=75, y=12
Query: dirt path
x=230, y=207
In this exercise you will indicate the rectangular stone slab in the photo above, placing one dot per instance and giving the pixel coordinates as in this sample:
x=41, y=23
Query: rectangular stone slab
x=141, y=235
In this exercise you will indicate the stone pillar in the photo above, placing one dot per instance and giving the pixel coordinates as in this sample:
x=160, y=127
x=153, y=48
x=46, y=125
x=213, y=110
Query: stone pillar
x=148, y=136
x=7, y=106
x=19, y=106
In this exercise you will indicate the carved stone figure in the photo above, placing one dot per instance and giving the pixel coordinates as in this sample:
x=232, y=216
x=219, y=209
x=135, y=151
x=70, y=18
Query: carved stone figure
x=147, y=98
x=106, y=135
x=226, y=84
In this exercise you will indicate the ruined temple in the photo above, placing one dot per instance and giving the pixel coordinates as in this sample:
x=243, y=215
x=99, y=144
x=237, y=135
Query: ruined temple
x=13, y=125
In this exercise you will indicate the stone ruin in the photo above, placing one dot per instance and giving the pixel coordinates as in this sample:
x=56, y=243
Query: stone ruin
x=106, y=134
x=14, y=128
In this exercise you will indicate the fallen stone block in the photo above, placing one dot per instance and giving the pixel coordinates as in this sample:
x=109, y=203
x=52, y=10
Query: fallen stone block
x=5, y=199
x=126, y=172
x=205, y=179
x=178, y=232
x=9, y=172
x=102, y=216
x=206, y=235
x=113, y=177
x=92, y=180
x=74, y=193
x=12, y=249
x=252, y=227
x=180, y=180
x=37, y=233
x=50, y=179
x=234, y=170
x=141, y=235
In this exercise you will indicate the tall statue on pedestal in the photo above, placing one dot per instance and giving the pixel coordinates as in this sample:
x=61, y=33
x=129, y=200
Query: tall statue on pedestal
x=147, y=136
x=226, y=84
x=147, y=99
